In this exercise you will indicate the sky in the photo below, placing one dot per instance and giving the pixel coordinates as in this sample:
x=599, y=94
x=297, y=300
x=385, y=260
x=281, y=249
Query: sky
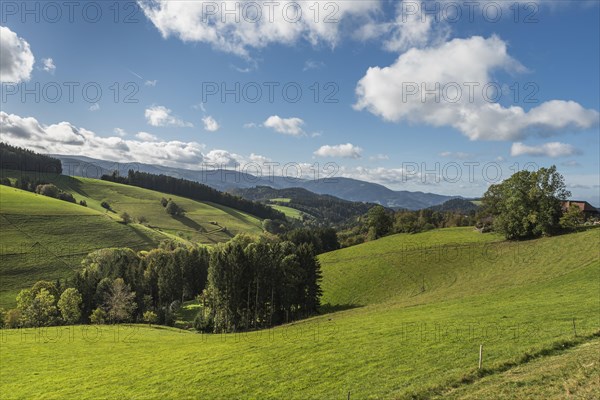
x=442, y=96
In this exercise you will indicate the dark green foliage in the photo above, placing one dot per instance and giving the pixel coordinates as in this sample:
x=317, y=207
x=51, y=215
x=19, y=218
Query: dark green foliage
x=83, y=203
x=322, y=239
x=66, y=197
x=20, y=159
x=528, y=204
x=49, y=190
x=195, y=191
x=105, y=204
x=5, y=181
x=380, y=221
x=572, y=219
x=174, y=209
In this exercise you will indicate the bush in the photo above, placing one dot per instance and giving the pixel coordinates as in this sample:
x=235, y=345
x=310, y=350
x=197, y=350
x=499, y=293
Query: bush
x=5, y=181
x=83, y=203
x=126, y=218
x=150, y=317
x=164, y=202
x=98, y=316
x=12, y=318
x=49, y=190
x=66, y=197
x=105, y=204
x=142, y=220
x=203, y=323
x=173, y=209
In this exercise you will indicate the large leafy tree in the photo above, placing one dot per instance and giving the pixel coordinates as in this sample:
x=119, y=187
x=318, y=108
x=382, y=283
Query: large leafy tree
x=69, y=305
x=528, y=204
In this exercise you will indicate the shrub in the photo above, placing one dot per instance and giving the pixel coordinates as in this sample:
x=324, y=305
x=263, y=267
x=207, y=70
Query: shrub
x=12, y=318
x=150, y=317
x=83, y=203
x=203, y=323
x=142, y=220
x=66, y=197
x=164, y=202
x=5, y=181
x=105, y=204
x=49, y=190
x=173, y=209
x=98, y=316
x=126, y=218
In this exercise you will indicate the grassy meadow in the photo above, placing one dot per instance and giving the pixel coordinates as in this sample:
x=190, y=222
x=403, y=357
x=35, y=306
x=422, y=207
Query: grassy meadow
x=46, y=238
x=405, y=317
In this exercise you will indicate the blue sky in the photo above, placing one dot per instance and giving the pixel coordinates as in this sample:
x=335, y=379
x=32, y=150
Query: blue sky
x=167, y=56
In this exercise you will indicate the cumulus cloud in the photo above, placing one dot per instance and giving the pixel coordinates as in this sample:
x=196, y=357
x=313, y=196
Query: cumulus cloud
x=287, y=126
x=223, y=158
x=162, y=116
x=458, y=71
x=552, y=149
x=347, y=150
x=146, y=137
x=17, y=59
x=151, y=83
x=65, y=138
x=120, y=132
x=210, y=124
x=256, y=24
x=94, y=107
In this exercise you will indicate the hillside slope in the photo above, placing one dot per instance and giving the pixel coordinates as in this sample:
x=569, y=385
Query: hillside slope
x=46, y=238
x=392, y=336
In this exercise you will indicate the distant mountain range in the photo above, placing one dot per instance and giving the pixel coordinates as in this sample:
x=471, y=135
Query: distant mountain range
x=229, y=180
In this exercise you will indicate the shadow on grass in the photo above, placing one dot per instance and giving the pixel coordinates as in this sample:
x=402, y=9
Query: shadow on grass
x=190, y=223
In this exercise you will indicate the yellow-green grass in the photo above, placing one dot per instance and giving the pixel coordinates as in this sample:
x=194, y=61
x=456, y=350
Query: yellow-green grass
x=203, y=222
x=288, y=211
x=403, y=342
x=46, y=238
x=281, y=200
x=572, y=374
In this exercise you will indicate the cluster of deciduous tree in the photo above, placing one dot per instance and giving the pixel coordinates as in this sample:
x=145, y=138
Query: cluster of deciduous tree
x=321, y=239
x=246, y=283
x=44, y=304
x=259, y=283
x=195, y=191
x=41, y=187
x=121, y=285
x=20, y=159
x=528, y=204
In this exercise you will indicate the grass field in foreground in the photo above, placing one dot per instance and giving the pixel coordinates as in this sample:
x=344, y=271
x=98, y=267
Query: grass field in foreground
x=402, y=343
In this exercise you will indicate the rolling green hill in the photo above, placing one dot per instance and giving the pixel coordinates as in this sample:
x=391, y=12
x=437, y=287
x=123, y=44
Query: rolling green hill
x=46, y=238
x=410, y=314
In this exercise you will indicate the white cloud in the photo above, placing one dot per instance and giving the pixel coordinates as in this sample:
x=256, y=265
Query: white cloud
x=48, y=65
x=257, y=158
x=347, y=150
x=386, y=92
x=146, y=137
x=199, y=106
x=552, y=149
x=207, y=22
x=94, y=107
x=249, y=125
x=287, y=126
x=120, y=132
x=151, y=83
x=223, y=158
x=65, y=138
x=161, y=116
x=210, y=124
x=17, y=60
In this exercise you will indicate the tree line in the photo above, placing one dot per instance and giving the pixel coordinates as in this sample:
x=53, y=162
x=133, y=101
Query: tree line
x=193, y=190
x=20, y=159
x=247, y=283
